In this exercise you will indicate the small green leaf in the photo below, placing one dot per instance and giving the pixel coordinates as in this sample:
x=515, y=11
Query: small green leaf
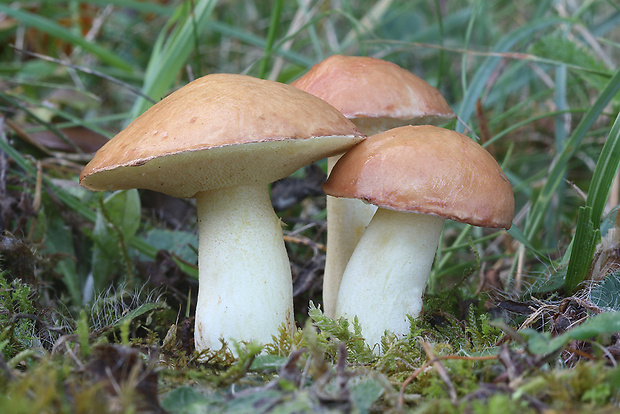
x=139, y=311
x=608, y=322
x=186, y=400
x=182, y=243
x=122, y=208
x=605, y=294
x=268, y=363
x=116, y=224
x=364, y=393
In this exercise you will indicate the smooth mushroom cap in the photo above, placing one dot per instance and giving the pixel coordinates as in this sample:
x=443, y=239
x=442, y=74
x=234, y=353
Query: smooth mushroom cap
x=427, y=170
x=164, y=149
x=375, y=91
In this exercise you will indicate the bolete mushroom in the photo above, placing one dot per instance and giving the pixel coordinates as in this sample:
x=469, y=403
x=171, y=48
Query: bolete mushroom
x=222, y=139
x=418, y=176
x=376, y=95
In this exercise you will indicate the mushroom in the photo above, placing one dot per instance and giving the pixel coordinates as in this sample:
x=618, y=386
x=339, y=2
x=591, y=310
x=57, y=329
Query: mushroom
x=418, y=176
x=222, y=139
x=376, y=95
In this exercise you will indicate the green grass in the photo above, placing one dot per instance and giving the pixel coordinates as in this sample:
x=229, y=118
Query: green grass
x=111, y=270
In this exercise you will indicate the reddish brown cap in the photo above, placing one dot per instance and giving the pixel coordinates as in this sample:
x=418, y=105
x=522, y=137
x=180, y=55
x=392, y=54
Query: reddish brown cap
x=427, y=170
x=218, y=131
x=365, y=89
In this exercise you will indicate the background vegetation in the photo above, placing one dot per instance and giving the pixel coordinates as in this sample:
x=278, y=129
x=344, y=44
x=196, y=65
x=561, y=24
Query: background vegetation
x=97, y=289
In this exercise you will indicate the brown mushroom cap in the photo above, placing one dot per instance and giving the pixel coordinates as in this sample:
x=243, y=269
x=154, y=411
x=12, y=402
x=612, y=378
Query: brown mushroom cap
x=365, y=87
x=428, y=170
x=191, y=140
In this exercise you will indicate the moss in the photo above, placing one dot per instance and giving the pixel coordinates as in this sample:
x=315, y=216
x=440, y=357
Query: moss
x=17, y=316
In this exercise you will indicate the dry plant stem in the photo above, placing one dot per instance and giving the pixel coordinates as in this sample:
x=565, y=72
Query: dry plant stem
x=245, y=290
x=305, y=241
x=441, y=371
x=387, y=274
x=401, y=397
x=431, y=361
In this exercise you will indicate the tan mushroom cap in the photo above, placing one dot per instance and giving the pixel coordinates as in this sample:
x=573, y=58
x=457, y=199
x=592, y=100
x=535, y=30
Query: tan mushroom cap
x=364, y=87
x=191, y=140
x=427, y=170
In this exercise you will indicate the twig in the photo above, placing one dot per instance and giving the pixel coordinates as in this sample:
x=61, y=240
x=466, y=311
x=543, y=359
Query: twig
x=582, y=354
x=432, y=361
x=606, y=352
x=443, y=374
x=519, y=275
x=468, y=358
x=71, y=352
x=341, y=375
x=305, y=241
x=26, y=137
x=469, y=52
x=401, y=397
x=38, y=320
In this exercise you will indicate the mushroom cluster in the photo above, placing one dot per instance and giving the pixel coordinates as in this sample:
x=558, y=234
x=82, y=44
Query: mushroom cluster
x=376, y=95
x=223, y=138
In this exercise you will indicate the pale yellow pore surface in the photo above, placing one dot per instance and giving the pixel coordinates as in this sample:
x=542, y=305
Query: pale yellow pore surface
x=187, y=173
x=176, y=138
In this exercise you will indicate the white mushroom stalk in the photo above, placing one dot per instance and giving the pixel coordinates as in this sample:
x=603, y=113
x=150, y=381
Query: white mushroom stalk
x=383, y=287
x=245, y=289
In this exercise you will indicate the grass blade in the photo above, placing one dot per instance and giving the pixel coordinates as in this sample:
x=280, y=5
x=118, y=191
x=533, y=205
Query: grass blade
x=56, y=30
x=141, y=6
x=251, y=39
x=589, y=219
x=271, y=35
x=604, y=172
x=474, y=91
x=584, y=245
x=560, y=164
x=165, y=63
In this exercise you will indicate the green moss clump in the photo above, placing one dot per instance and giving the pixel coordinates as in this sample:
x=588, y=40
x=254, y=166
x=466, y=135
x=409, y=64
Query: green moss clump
x=17, y=313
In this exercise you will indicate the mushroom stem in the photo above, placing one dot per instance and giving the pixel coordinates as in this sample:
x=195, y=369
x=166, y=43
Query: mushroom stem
x=245, y=290
x=347, y=219
x=388, y=271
